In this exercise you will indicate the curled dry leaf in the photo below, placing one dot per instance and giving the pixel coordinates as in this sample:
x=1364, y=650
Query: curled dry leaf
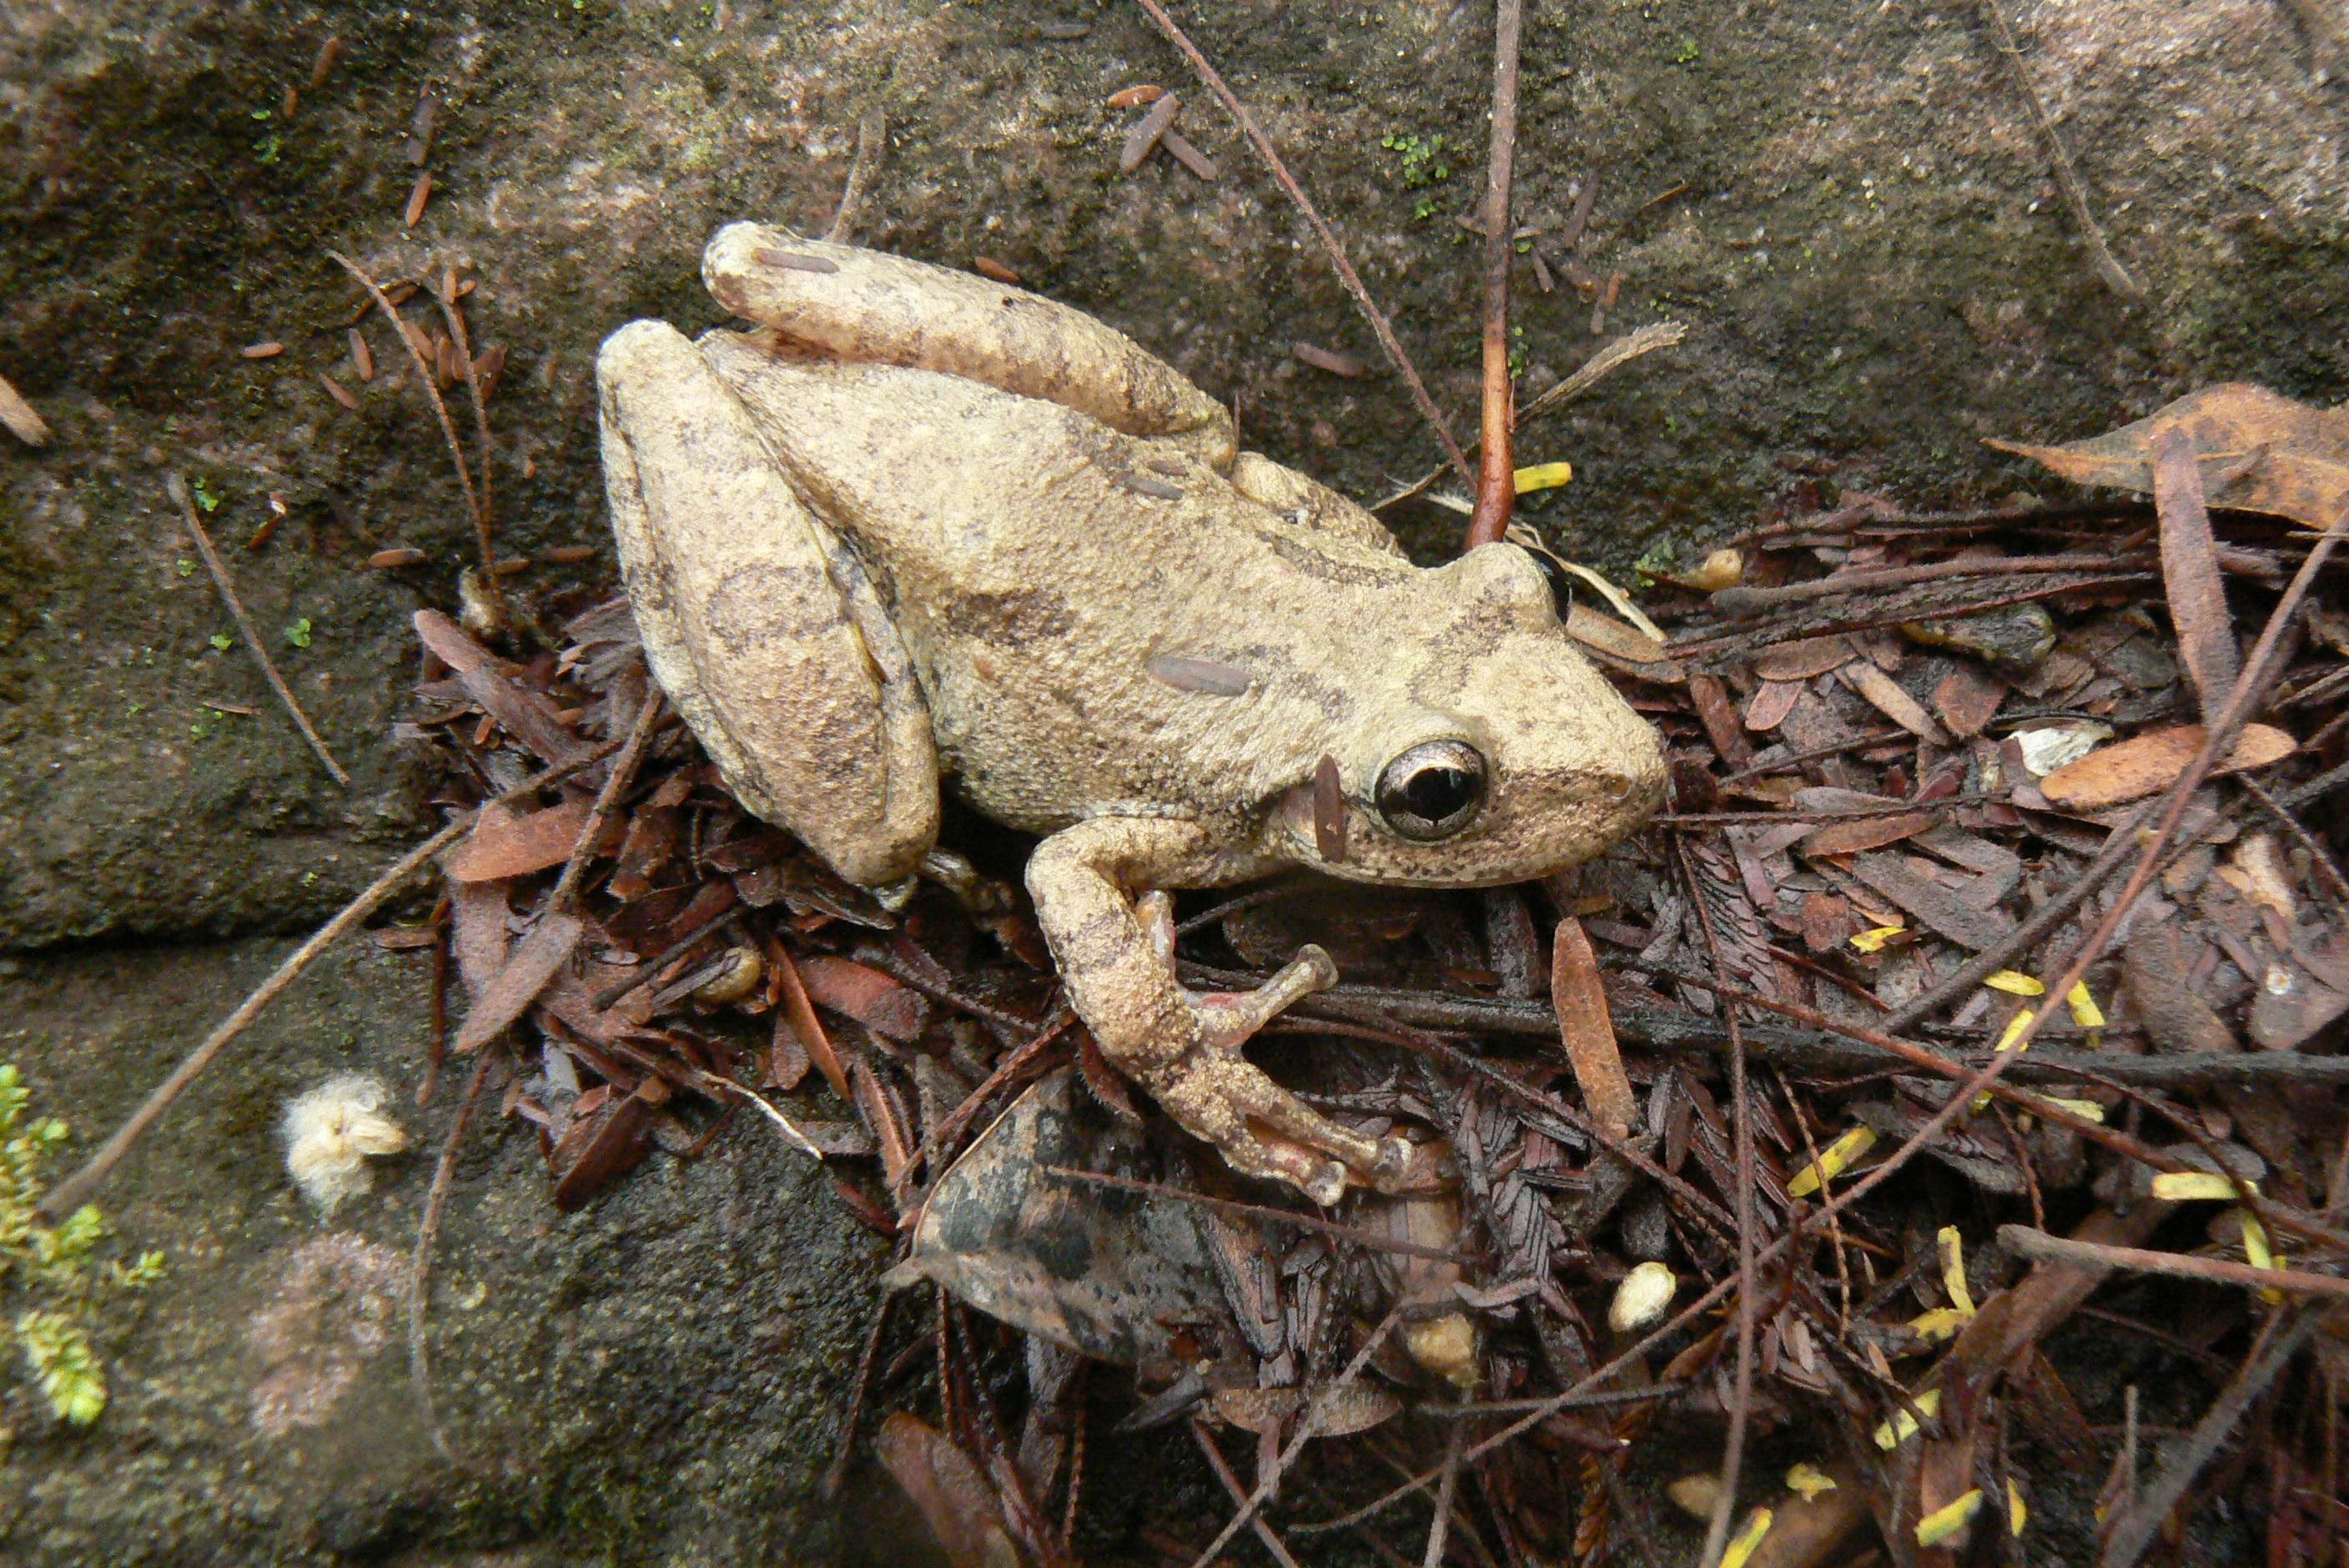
x=2258, y=452
x=2147, y=764
x=1335, y=1412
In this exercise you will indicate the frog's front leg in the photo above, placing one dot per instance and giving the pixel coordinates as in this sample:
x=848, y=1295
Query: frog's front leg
x=1115, y=952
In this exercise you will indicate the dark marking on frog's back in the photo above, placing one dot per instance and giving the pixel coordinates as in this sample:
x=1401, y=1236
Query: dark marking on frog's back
x=1016, y=616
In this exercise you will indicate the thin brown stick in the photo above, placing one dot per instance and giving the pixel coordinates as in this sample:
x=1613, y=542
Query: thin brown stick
x=2135, y=1530
x=1733, y=1457
x=74, y=1191
x=447, y=297
x=1267, y=1484
x=448, y=429
x=2068, y=179
x=1222, y=1467
x=624, y=768
x=1440, y=1527
x=419, y=1263
x=1744, y=601
x=178, y=489
x=1379, y=327
x=1496, y=490
x=2038, y=1244
x=844, y=1450
x=1262, y=1212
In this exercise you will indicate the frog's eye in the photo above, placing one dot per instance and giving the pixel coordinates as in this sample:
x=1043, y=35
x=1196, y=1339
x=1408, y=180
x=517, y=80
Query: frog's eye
x=1433, y=790
x=1561, y=586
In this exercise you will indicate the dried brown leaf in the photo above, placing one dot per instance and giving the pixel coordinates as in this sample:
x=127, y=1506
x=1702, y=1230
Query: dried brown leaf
x=503, y=845
x=1773, y=701
x=1587, y=1031
x=1803, y=661
x=2302, y=469
x=963, y=1511
x=874, y=999
x=542, y=950
x=2147, y=764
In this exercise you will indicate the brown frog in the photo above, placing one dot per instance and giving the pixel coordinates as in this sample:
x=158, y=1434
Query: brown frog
x=919, y=524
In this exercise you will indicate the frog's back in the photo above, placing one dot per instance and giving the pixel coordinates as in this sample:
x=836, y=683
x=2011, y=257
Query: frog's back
x=1102, y=621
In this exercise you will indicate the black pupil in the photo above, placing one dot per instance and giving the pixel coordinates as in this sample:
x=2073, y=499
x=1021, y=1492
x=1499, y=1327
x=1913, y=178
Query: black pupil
x=1434, y=794
x=1561, y=586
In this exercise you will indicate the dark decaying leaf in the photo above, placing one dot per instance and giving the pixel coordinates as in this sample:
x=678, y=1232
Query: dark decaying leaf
x=963, y=1511
x=503, y=844
x=1114, y=1275
x=544, y=949
x=874, y=999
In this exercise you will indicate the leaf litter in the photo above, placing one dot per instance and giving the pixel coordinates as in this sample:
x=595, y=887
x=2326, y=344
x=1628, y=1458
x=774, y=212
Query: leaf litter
x=1798, y=914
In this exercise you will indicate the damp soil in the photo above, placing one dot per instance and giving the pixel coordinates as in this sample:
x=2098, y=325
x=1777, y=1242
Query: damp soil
x=1851, y=211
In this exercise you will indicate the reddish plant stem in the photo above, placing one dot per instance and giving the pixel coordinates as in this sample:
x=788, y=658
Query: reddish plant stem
x=1496, y=490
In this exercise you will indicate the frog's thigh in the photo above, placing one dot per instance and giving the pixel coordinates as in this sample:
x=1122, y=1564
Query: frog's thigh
x=855, y=304
x=1309, y=503
x=779, y=660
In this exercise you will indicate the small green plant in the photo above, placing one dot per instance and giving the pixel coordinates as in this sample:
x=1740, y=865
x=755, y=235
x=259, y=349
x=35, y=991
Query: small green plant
x=187, y=567
x=298, y=633
x=1419, y=160
x=1687, y=56
x=50, y=1274
x=205, y=496
x=222, y=642
x=268, y=149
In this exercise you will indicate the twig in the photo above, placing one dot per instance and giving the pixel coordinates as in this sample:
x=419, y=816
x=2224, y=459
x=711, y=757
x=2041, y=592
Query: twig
x=2055, y=911
x=1267, y=1484
x=1345, y=269
x=1222, y=1467
x=419, y=1263
x=1496, y=490
x=1621, y=351
x=624, y=768
x=448, y=430
x=1440, y=1526
x=2075, y=195
x=74, y=1191
x=1744, y=601
x=179, y=492
x=844, y=1450
x=2135, y=1530
x=447, y=296
x=872, y=145
x=2038, y=1244
x=1259, y=1211
x=1716, y=1534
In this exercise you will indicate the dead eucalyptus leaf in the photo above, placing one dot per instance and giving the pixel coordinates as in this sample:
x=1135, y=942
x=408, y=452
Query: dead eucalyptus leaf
x=2190, y=571
x=2147, y=764
x=961, y=1509
x=2258, y=452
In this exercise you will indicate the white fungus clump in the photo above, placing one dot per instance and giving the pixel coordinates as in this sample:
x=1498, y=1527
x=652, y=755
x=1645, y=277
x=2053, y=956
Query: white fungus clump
x=1641, y=1298
x=331, y=1131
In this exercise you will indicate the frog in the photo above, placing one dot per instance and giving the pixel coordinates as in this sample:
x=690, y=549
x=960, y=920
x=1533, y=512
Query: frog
x=913, y=528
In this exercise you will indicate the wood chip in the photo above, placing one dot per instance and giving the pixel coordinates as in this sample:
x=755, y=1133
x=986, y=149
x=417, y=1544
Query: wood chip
x=2132, y=770
x=1137, y=95
x=1146, y=132
x=270, y=350
x=876, y=1000
x=390, y=560
x=504, y=844
x=987, y=266
x=542, y=950
x=1931, y=902
x=2190, y=572
x=1866, y=833
x=362, y=356
x=337, y=391
x=1188, y=156
x=419, y=193
x=1887, y=696
x=1773, y=700
x=1803, y=661
x=1722, y=724
x=566, y=554
x=323, y=63
x=27, y=426
x=1335, y=364
x=1966, y=699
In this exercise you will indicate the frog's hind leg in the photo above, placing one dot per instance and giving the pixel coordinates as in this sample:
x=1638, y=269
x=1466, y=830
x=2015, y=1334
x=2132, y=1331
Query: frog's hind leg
x=848, y=303
x=757, y=621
